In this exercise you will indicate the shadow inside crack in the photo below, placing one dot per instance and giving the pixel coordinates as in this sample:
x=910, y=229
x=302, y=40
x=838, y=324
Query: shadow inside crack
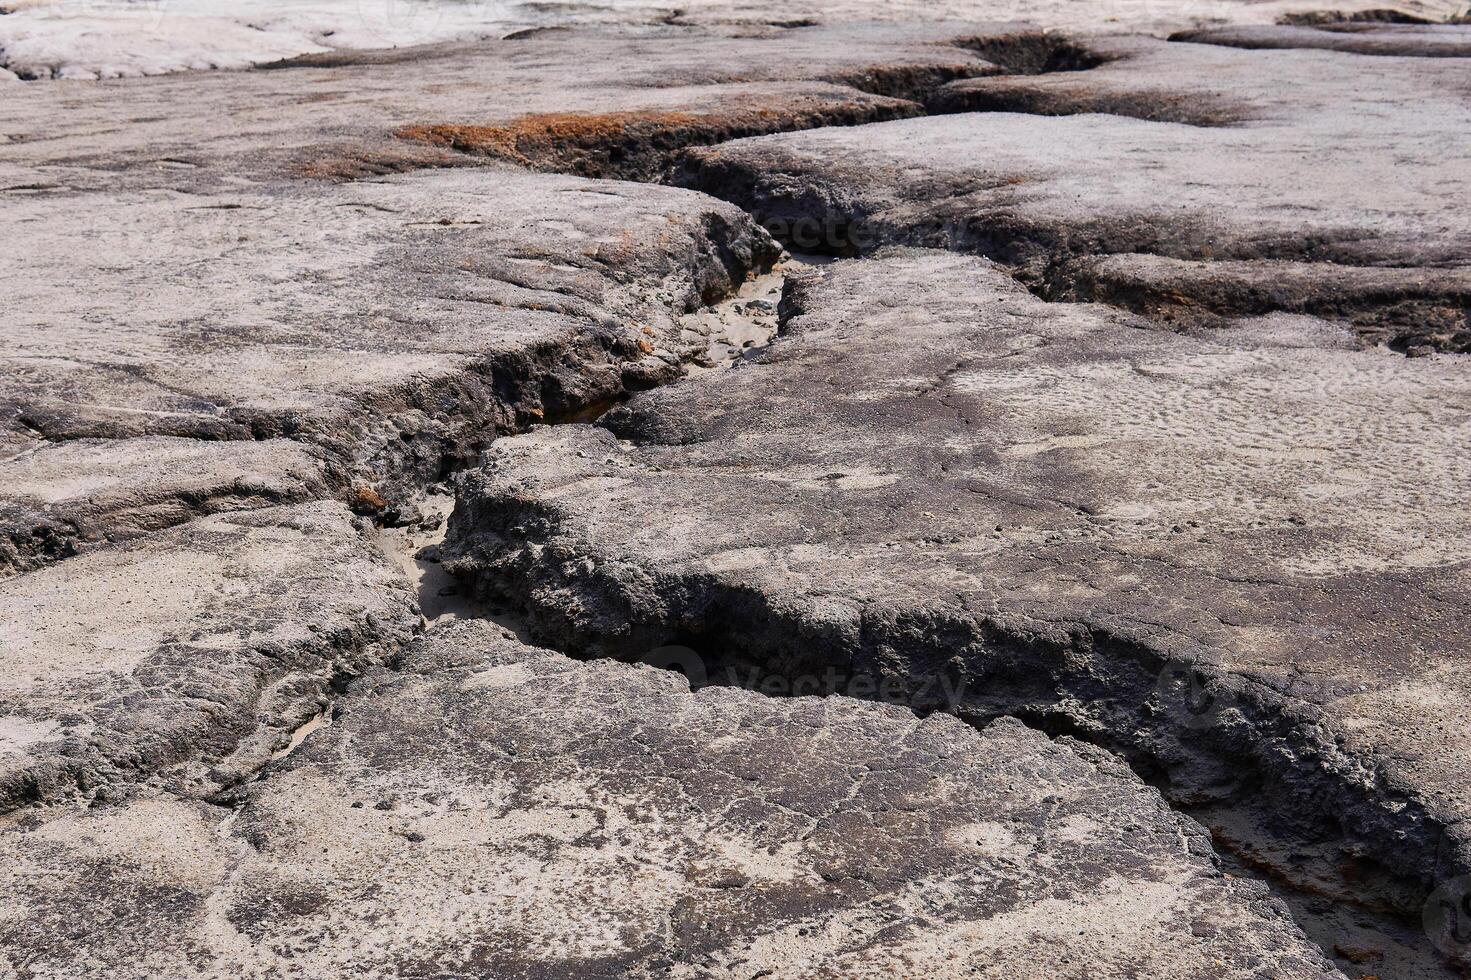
x=1370, y=925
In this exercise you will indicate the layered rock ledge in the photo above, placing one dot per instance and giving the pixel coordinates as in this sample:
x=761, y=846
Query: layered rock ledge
x=1233, y=558
x=1081, y=593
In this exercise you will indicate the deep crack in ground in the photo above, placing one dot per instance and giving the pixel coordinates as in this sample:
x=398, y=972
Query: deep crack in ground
x=1345, y=909
x=652, y=149
x=647, y=147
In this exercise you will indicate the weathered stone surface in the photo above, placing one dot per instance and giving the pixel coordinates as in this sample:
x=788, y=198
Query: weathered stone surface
x=196, y=274
x=44, y=39
x=1316, y=159
x=393, y=326
x=173, y=648
x=202, y=320
x=496, y=810
x=58, y=497
x=338, y=120
x=1240, y=559
x=638, y=145
x=1235, y=557
x=1399, y=40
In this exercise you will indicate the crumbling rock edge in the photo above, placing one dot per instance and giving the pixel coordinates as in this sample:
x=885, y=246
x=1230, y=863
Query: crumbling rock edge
x=1275, y=784
x=1406, y=309
x=204, y=702
x=193, y=711
x=1267, y=754
x=1272, y=787
x=848, y=831
x=649, y=145
x=403, y=439
x=641, y=145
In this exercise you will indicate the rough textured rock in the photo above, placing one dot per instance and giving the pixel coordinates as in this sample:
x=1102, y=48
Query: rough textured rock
x=59, y=497
x=1183, y=164
x=203, y=318
x=1238, y=559
x=639, y=145
x=198, y=273
x=494, y=809
x=43, y=39
x=174, y=648
x=394, y=326
x=1399, y=40
x=338, y=120
x=1232, y=550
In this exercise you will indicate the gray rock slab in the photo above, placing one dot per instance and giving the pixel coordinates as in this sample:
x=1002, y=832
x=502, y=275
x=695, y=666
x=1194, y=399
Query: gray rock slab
x=191, y=645
x=1393, y=40
x=337, y=119
x=496, y=809
x=45, y=39
x=390, y=327
x=59, y=497
x=1193, y=153
x=1238, y=559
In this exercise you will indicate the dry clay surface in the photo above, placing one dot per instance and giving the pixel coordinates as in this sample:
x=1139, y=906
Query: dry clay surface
x=1239, y=559
x=1190, y=181
x=492, y=809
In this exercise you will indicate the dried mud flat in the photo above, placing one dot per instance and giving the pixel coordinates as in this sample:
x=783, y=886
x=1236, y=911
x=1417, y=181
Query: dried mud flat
x=698, y=496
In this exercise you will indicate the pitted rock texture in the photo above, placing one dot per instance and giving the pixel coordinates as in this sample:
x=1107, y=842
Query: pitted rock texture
x=1239, y=560
x=492, y=809
x=172, y=649
x=1181, y=164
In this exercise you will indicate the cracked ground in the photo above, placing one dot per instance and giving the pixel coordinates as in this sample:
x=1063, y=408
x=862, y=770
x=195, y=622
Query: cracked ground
x=808, y=491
